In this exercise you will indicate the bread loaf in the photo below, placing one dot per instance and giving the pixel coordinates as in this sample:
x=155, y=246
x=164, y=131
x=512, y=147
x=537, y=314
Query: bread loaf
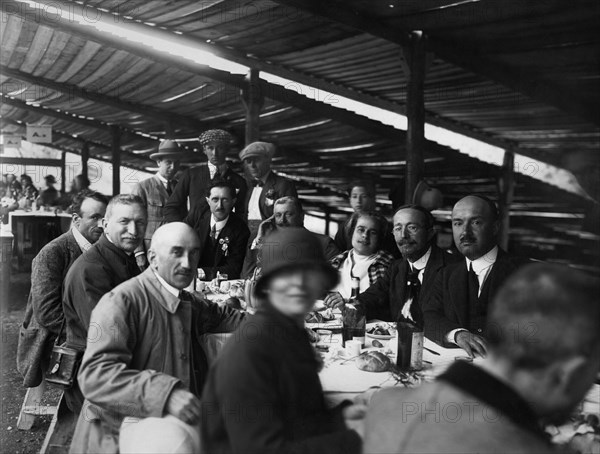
x=373, y=362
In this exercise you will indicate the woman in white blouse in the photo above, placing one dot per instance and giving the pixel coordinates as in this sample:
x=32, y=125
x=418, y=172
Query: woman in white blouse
x=366, y=261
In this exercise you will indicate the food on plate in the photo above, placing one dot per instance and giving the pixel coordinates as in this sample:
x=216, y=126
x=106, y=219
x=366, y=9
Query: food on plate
x=373, y=362
x=376, y=344
x=320, y=317
x=379, y=330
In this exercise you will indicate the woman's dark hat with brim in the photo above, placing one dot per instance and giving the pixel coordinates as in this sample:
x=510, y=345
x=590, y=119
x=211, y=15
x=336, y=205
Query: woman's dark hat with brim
x=290, y=249
x=50, y=179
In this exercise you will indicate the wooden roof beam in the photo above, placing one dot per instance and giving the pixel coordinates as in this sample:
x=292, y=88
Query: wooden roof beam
x=532, y=85
x=111, y=101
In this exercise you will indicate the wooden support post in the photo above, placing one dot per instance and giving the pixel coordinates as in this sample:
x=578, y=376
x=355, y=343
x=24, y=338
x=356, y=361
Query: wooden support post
x=506, y=188
x=253, y=102
x=327, y=221
x=85, y=156
x=169, y=129
x=116, y=159
x=415, y=110
x=63, y=172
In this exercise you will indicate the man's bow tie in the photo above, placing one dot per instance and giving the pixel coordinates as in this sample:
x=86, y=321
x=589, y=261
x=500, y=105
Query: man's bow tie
x=258, y=183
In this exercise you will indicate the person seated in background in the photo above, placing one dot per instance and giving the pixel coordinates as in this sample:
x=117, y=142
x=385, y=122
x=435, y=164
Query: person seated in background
x=108, y=263
x=543, y=355
x=365, y=261
x=7, y=204
x=156, y=190
x=50, y=195
x=149, y=365
x=29, y=192
x=400, y=293
x=263, y=393
x=287, y=212
x=79, y=183
x=223, y=235
x=265, y=186
x=455, y=313
x=193, y=183
x=13, y=186
x=44, y=311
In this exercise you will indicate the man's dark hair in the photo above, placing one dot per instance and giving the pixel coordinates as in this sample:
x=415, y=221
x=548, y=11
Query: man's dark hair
x=381, y=221
x=75, y=207
x=362, y=183
x=429, y=219
x=544, y=313
x=222, y=184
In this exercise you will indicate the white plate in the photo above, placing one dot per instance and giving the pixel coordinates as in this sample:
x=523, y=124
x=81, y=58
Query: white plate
x=385, y=325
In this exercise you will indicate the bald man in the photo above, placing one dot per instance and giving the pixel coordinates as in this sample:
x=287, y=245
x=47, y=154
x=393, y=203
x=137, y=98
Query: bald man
x=143, y=358
x=455, y=313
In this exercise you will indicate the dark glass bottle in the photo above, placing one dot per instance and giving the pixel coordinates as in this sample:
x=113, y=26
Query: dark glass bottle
x=410, y=345
x=354, y=317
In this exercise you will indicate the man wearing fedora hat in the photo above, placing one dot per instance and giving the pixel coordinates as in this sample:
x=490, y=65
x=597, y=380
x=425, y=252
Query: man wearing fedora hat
x=155, y=191
x=266, y=185
x=195, y=181
x=50, y=195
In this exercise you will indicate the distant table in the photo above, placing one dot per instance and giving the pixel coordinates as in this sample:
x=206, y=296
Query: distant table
x=6, y=238
x=34, y=229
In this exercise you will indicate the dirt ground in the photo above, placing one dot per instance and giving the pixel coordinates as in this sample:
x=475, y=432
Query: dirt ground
x=12, y=392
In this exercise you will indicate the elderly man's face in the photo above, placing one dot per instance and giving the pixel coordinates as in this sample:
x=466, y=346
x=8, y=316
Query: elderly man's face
x=216, y=152
x=221, y=202
x=287, y=215
x=89, y=224
x=126, y=226
x=360, y=200
x=168, y=167
x=473, y=227
x=257, y=166
x=411, y=233
x=175, y=258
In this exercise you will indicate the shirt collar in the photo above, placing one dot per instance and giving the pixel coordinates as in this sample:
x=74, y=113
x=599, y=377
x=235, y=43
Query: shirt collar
x=483, y=262
x=172, y=305
x=421, y=262
x=162, y=179
x=82, y=241
x=219, y=224
x=487, y=388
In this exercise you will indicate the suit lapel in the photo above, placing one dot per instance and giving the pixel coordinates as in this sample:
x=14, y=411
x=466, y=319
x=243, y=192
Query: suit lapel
x=160, y=188
x=269, y=184
x=224, y=233
x=434, y=263
x=204, y=228
x=458, y=293
x=397, y=303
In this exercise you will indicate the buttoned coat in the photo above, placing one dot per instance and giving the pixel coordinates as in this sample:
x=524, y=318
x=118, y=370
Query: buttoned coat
x=44, y=311
x=148, y=343
x=385, y=298
x=227, y=257
x=274, y=188
x=447, y=306
x=154, y=194
x=193, y=184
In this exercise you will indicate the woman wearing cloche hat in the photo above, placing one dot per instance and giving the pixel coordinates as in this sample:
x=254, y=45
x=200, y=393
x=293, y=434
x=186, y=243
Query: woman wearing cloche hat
x=268, y=371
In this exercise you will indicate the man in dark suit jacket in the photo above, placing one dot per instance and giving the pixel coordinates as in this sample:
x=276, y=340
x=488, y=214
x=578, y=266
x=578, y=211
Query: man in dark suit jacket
x=456, y=311
x=195, y=181
x=223, y=235
x=44, y=311
x=264, y=186
x=105, y=265
x=399, y=295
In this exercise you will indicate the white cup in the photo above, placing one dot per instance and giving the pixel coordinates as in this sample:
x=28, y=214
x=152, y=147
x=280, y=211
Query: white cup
x=353, y=347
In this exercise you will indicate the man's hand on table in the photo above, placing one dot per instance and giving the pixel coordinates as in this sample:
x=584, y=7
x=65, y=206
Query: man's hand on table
x=334, y=301
x=185, y=406
x=354, y=417
x=471, y=343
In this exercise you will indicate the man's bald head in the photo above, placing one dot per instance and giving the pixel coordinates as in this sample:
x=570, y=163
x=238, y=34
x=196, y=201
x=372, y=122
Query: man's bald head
x=474, y=226
x=174, y=253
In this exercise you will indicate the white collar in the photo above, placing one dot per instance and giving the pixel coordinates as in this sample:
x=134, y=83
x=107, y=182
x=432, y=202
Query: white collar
x=421, y=262
x=172, y=290
x=82, y=241
x=162, y=179
x=483, y=262
x=219, y=224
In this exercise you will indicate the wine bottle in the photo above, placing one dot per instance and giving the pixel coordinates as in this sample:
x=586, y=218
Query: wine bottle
x=354, y=317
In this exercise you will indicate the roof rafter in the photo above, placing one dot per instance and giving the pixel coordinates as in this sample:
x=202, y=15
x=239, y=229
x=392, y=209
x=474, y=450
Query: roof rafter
x=533, y=85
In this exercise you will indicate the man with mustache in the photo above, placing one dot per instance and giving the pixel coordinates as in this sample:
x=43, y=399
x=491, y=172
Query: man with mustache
x=399, y=293
x=456, y=312
x=44, y=312
x=223, y=235
x=191, y=188
x=105, y=265
x=149, y=366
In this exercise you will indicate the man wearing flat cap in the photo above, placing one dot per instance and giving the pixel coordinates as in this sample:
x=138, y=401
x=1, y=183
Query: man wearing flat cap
x=156, y=190
x=195, y=181
x=266, y=185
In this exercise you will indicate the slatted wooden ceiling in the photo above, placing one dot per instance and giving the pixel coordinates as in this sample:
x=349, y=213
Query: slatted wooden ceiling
x=539, y=39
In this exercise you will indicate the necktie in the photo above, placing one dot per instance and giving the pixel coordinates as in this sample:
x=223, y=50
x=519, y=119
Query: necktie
x=169, y=188
x=411, y=308
x=185, y=296
x=213, y=234
x=473, y=287
x=217, y=175
x=258, y=183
